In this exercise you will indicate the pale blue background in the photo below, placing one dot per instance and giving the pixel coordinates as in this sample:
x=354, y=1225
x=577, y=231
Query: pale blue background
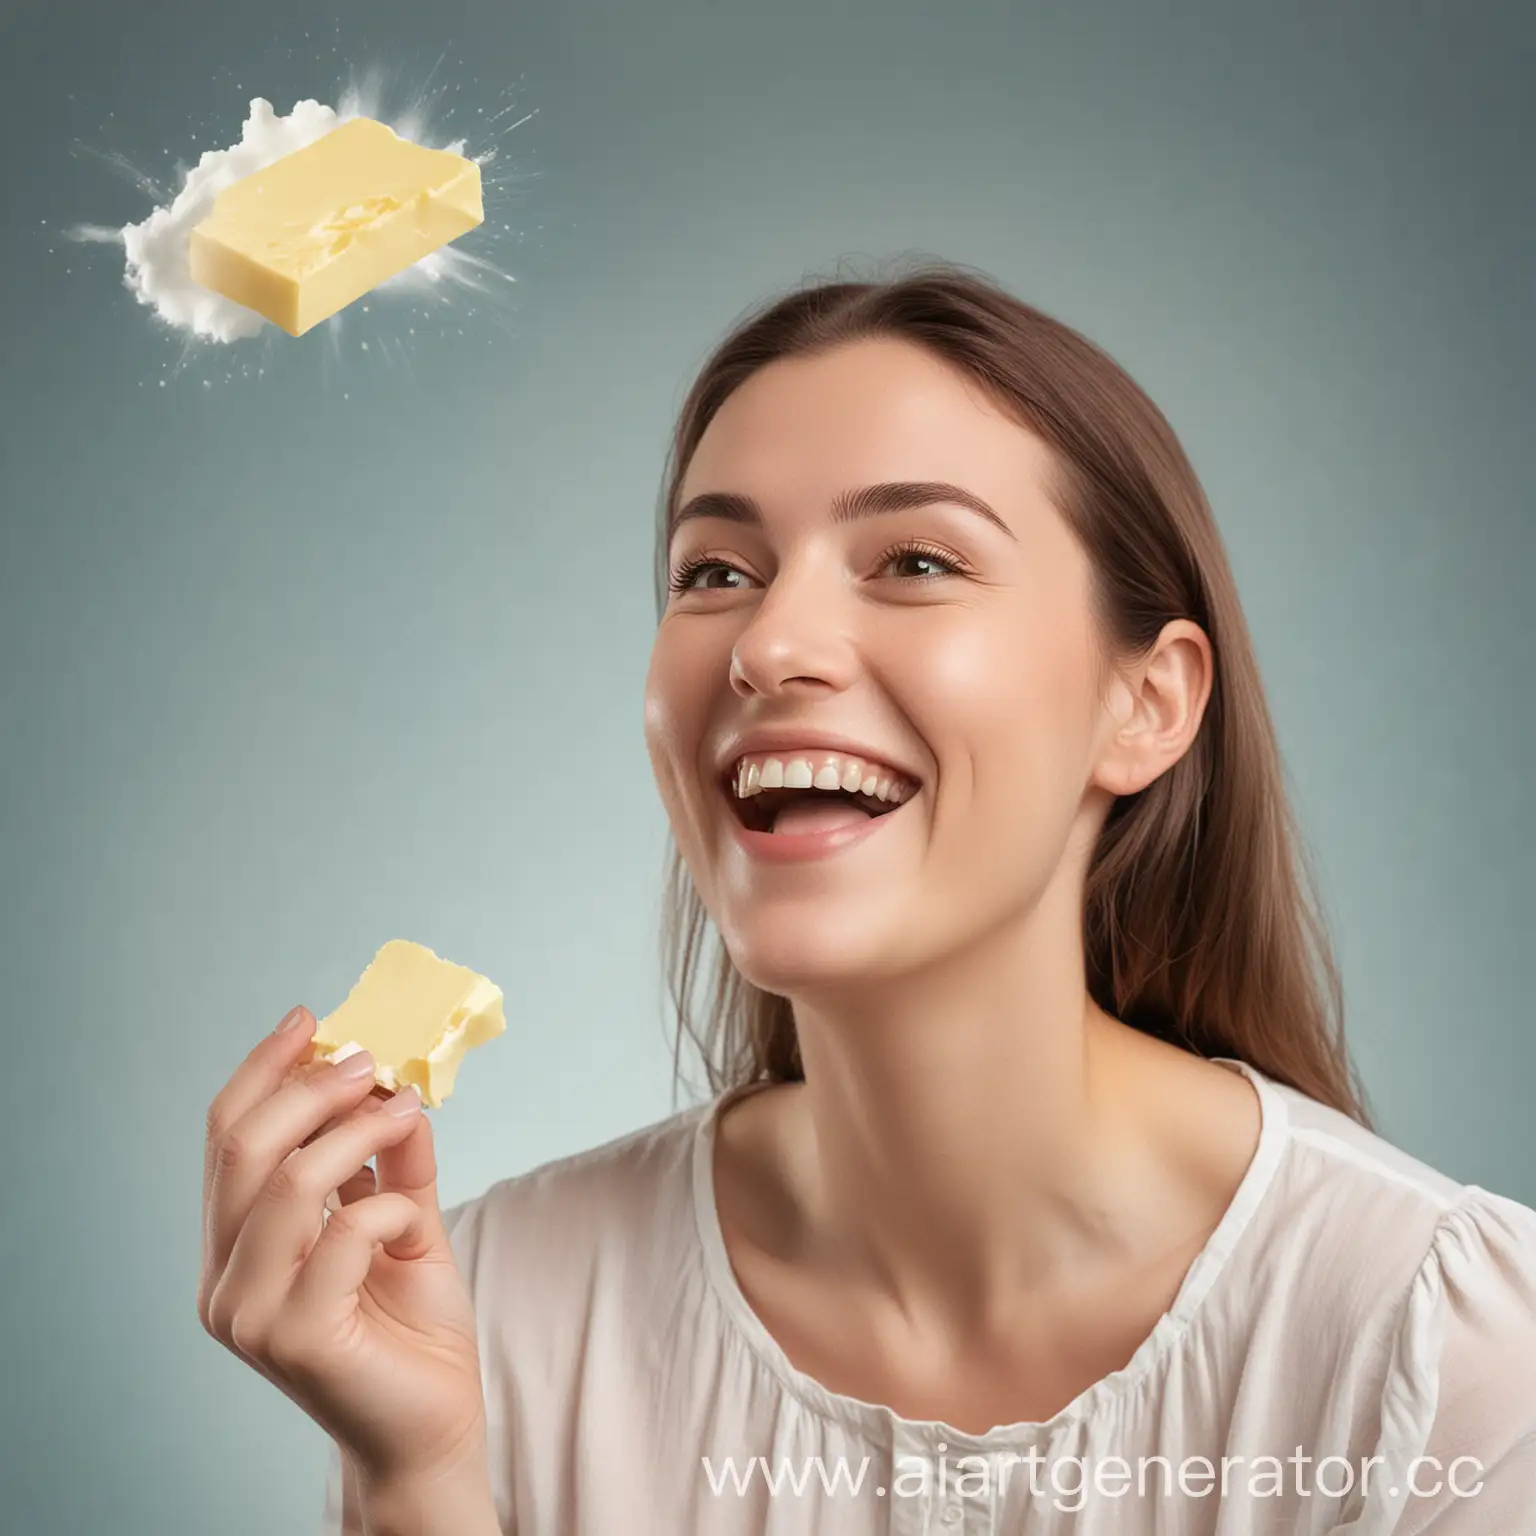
x=291, y=665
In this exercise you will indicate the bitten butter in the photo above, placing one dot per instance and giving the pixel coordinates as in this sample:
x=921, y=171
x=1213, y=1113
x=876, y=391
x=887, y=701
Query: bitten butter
x=308, y=234
x=416, y=1014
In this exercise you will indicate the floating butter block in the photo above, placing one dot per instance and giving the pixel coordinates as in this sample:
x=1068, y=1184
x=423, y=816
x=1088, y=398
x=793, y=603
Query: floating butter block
x=417, y=1015
x=319, y=228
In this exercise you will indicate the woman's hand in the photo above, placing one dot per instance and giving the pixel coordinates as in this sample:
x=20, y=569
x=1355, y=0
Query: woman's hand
x=358, y=1314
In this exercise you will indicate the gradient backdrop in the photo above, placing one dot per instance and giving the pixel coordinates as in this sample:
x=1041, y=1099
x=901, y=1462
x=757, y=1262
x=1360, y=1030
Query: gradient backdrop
x=295, y=663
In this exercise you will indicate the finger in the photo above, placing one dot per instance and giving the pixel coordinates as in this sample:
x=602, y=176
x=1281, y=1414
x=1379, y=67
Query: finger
x=362, y=1184
x=369, y=1105
x=252, y=1150
x=343, y=1254
x=260, y=1074
x=409, y=1167
x=285, y=1223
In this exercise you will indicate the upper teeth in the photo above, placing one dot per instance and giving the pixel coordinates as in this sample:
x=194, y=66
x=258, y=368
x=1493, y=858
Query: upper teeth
x=820, y=770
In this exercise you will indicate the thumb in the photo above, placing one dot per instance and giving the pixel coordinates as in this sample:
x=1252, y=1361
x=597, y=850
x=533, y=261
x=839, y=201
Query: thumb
x=410, y=1168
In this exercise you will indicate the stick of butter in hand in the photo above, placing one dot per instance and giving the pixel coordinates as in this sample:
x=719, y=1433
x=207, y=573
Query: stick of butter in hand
x=416, y=1014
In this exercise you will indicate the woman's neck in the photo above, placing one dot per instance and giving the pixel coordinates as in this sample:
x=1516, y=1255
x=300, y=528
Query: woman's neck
x=970, y=1140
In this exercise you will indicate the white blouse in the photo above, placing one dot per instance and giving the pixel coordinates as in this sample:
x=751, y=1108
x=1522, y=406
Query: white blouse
x=1352, y=1303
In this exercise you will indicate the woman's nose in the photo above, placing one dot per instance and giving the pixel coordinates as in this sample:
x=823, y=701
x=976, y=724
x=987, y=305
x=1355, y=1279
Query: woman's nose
x=799, y=637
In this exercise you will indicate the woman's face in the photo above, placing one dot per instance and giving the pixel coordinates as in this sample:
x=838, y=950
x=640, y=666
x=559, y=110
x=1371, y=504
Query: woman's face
x=941, y=648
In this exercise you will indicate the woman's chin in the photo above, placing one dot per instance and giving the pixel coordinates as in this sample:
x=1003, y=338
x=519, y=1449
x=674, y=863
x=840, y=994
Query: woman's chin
x=795, y=957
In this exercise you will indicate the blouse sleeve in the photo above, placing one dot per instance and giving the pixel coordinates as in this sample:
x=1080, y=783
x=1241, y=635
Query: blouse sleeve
x=1463, y=1389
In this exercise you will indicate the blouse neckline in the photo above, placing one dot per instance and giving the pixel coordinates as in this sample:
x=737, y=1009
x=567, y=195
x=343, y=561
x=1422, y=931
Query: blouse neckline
x=882, y=1425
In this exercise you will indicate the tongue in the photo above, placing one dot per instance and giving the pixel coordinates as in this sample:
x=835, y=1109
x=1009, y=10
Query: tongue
x=802, y=816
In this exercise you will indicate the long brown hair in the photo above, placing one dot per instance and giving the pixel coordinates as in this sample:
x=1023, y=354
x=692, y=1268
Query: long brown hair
x=1198, y=927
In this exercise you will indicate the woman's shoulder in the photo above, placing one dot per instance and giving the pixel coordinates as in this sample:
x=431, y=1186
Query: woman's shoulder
x=1362, y=1227
x=1337, y=1174
x=1338, y=1148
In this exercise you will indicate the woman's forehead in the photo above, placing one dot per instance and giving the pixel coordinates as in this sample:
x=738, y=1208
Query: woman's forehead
x=796, y=441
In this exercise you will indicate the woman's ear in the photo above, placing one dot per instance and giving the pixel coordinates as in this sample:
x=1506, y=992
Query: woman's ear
x=1156, y=709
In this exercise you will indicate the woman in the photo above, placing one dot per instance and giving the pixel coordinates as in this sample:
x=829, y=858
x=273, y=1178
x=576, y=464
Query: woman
x=1033, y=1153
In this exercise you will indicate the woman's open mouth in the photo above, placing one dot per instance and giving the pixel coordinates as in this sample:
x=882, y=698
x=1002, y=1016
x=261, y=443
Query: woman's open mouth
x=801, y=805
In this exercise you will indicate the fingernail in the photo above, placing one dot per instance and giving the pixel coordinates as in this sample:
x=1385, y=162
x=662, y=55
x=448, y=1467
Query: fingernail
x=358, y=1064
x=290, y=1020
x=406, y=1102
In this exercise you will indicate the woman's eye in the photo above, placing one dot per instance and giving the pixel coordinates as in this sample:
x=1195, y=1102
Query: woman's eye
x=917, y=560
x=687, y=576
x=937, y=565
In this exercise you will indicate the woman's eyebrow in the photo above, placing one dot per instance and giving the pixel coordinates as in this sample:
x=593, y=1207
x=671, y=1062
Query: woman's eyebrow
x=847, y=506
